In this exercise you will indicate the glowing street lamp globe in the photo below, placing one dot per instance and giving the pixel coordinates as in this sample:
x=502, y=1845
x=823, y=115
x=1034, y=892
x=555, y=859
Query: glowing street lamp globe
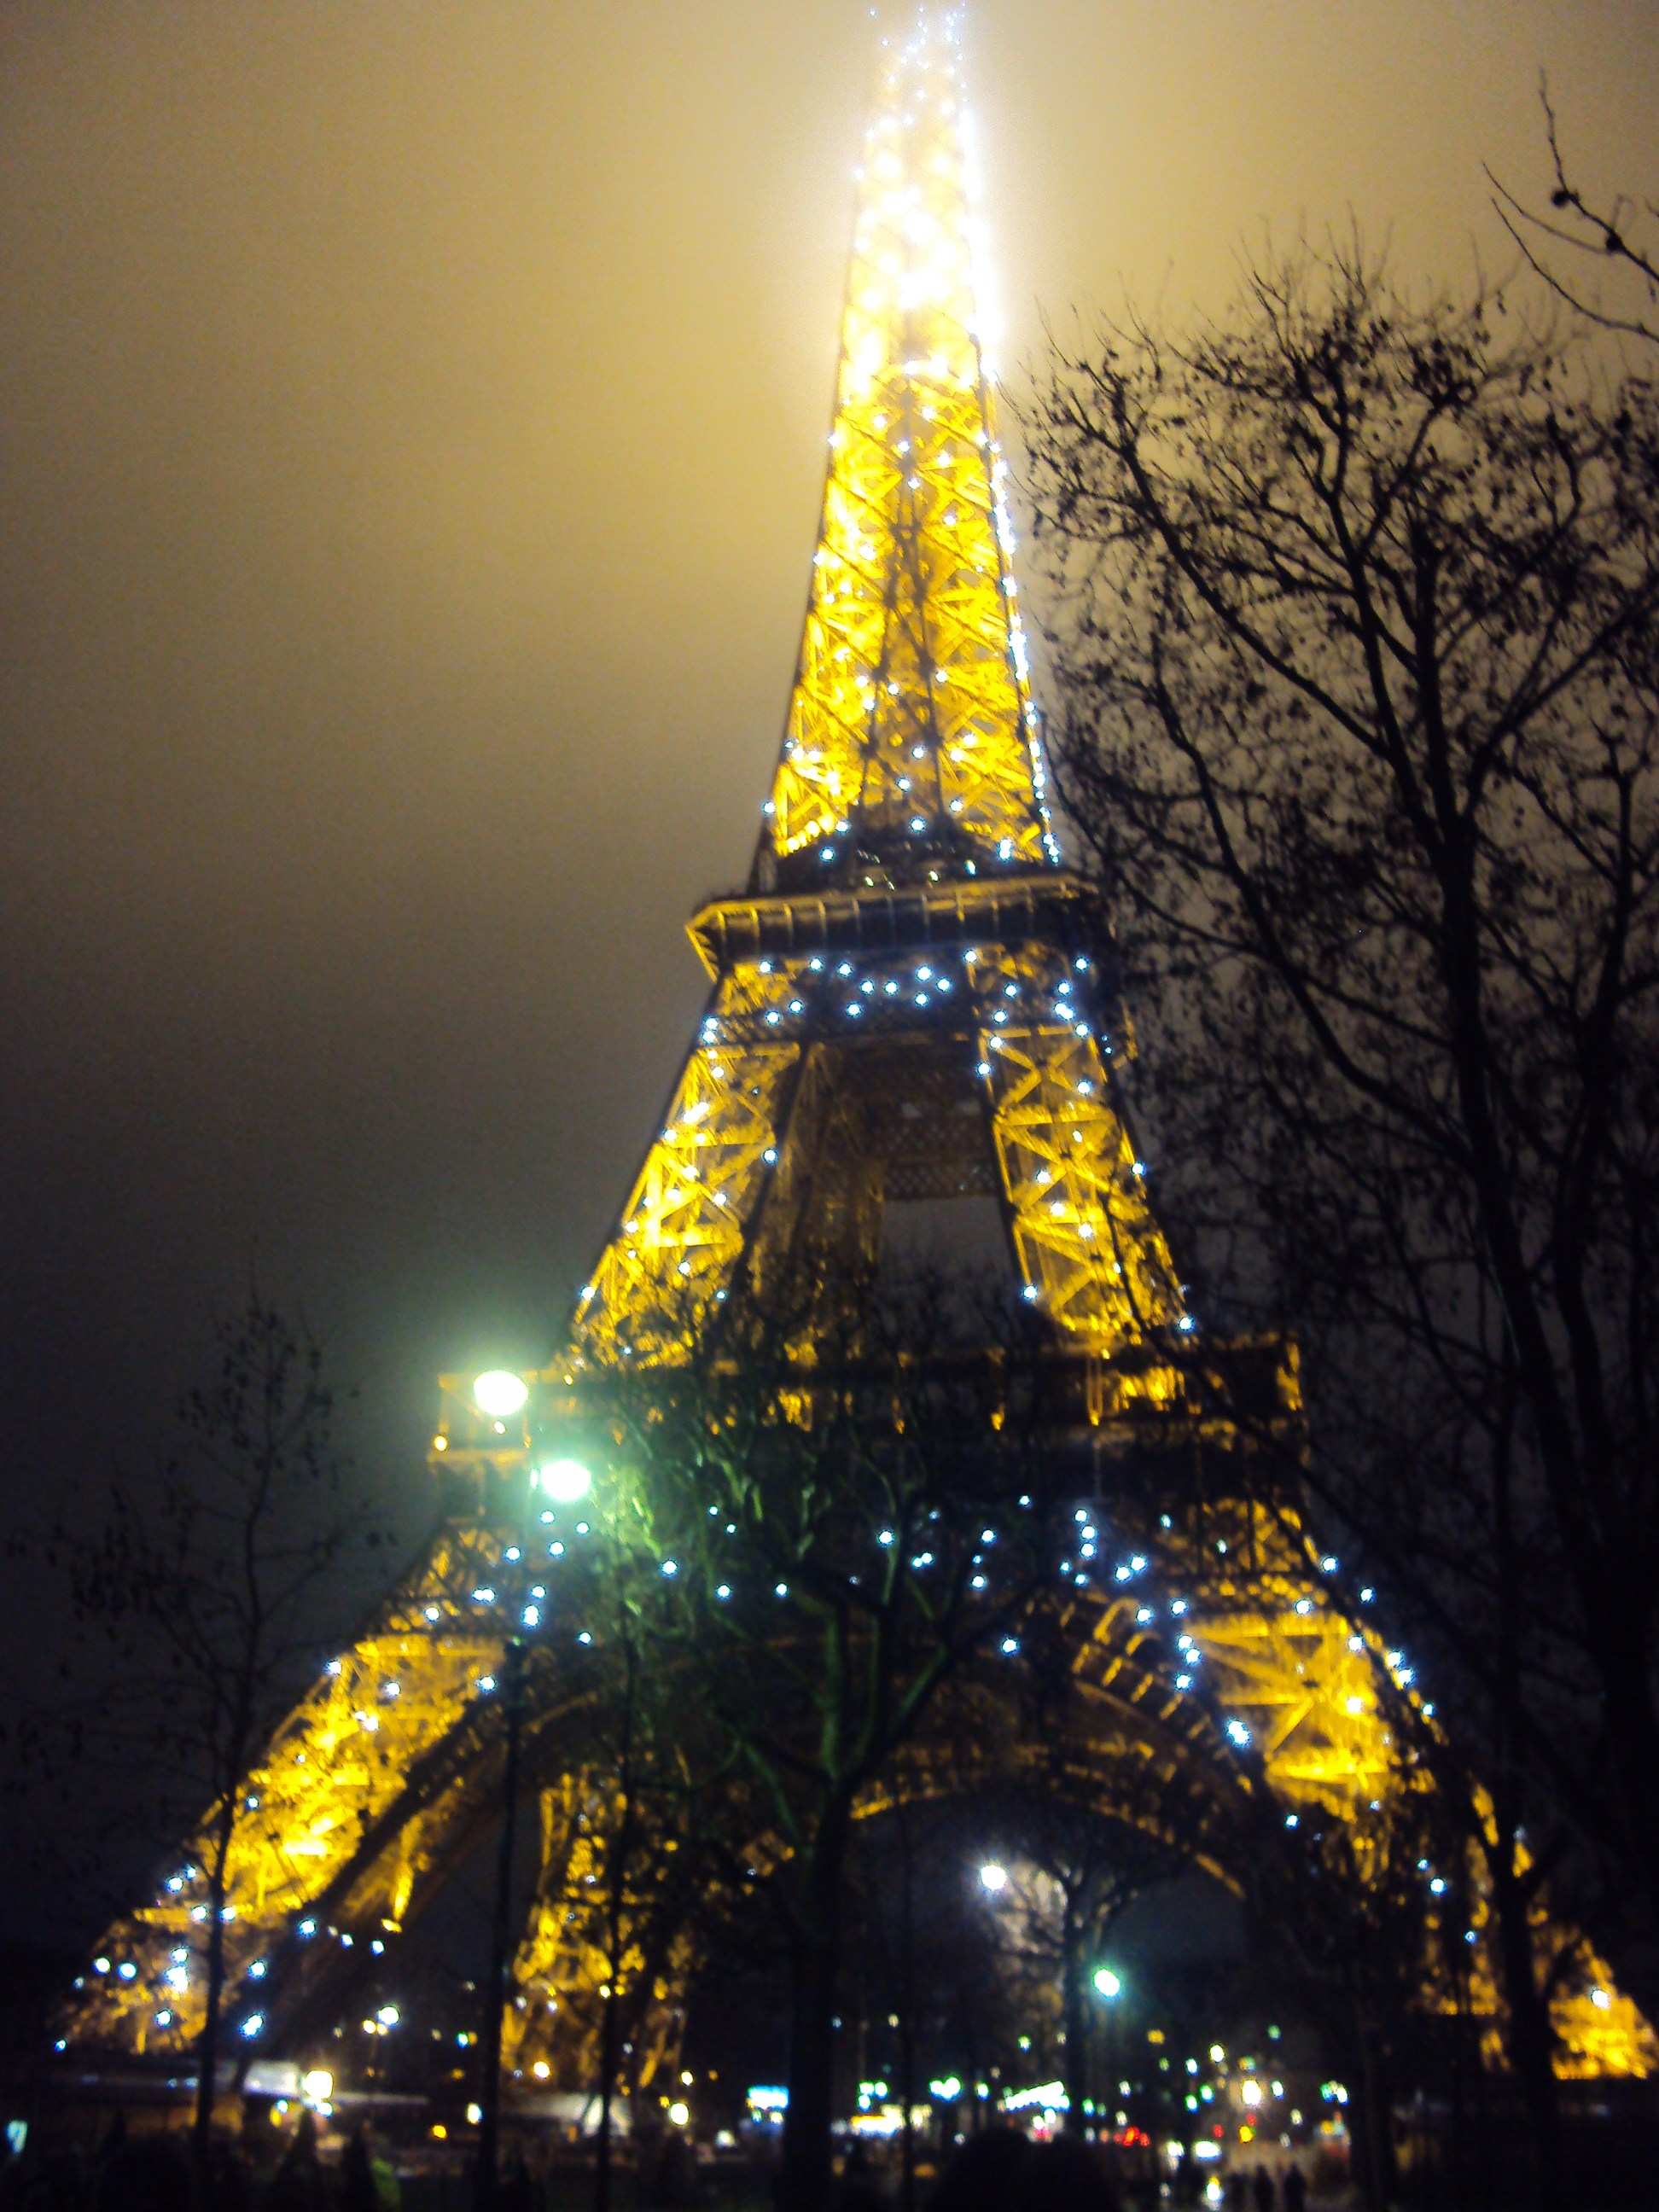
x=564, y=1480
x=994, y=1877
x=1107, y=1983
x=500, y=1394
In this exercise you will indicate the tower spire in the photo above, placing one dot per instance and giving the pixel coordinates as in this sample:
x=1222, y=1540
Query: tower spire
x=910, y=752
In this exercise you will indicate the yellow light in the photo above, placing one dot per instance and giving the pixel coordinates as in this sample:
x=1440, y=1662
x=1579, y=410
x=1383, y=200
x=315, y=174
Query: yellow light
x=439, y=2132
x=440, y=1443
x=319, y=2085
x=679, y=2114
x=565, y=1480
x=500, y=1393
x=541, y=2069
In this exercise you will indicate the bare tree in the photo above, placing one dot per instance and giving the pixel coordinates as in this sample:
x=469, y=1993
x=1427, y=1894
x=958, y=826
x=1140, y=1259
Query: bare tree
x=202, y=1602
x=1360, y=727
x=831, y=1545
x=1579, y=236
x=1068, y=1883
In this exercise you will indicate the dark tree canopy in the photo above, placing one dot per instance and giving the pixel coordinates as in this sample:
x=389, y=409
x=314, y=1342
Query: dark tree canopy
x=1359, y=724
x=202, y=1601
x=810, y=1563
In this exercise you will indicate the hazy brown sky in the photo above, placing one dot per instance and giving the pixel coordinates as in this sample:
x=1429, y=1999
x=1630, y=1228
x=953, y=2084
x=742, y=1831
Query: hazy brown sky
x=412, y=423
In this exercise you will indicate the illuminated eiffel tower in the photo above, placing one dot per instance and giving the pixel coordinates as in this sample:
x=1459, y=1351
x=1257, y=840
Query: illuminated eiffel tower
x=911, y=998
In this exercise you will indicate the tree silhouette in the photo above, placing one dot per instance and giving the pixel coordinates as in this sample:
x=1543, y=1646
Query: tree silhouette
x=1360, y=727
x=202, y=1601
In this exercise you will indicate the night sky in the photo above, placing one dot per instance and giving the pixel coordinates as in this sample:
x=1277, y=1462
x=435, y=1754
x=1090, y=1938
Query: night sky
x=413, y=423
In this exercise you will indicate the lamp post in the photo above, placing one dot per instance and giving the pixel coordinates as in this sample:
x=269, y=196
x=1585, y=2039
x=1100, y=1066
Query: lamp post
x=994, y=1881
x=495, y=1982
x=1108, y=1988
x=499, y=1395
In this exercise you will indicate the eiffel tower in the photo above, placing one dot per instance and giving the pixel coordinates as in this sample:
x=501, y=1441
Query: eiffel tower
x=910, y=998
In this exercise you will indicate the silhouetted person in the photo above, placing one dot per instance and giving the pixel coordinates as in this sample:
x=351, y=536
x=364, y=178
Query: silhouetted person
x=1294, y=2189
x=1238, y=2189
x=1265, y=2190
x=298, y=2184
x=677, y=2169
x=518, y=2190
x=357, y=2190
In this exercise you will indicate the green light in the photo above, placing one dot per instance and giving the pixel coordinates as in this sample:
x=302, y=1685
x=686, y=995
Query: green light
x=565, y=1480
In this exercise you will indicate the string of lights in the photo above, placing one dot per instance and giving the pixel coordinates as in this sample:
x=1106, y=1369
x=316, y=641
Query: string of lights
x=907, y=922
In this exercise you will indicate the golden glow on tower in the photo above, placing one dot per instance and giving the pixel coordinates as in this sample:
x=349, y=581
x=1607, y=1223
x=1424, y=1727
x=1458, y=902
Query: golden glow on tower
x=910, y=772
x=911, y=998
x=911, y=735
x=681, y=1234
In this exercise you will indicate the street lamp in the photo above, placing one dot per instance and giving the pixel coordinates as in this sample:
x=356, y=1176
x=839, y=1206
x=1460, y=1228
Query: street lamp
x=500, y=1393
x=564, y=1480
x=994, y=1877
x=1107, y=1984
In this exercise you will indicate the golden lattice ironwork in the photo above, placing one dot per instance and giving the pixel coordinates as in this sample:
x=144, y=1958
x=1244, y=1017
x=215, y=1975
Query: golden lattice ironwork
x=910, y=998
x=682, y=1233
x=339, y=1769
x=911, y=738
x=1090, y=1252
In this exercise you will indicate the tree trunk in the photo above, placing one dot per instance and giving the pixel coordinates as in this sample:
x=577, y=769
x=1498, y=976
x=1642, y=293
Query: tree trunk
x=1371, y=2110
x=608, y=2058
x=907, y=2015
x=1074, y=2010
x=617, y=1865
x=207, y=2048
x=486, y=2180
x=1453, y=2145
x=1531, y=2038
x=1633, y=1730
x=807, y=2172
